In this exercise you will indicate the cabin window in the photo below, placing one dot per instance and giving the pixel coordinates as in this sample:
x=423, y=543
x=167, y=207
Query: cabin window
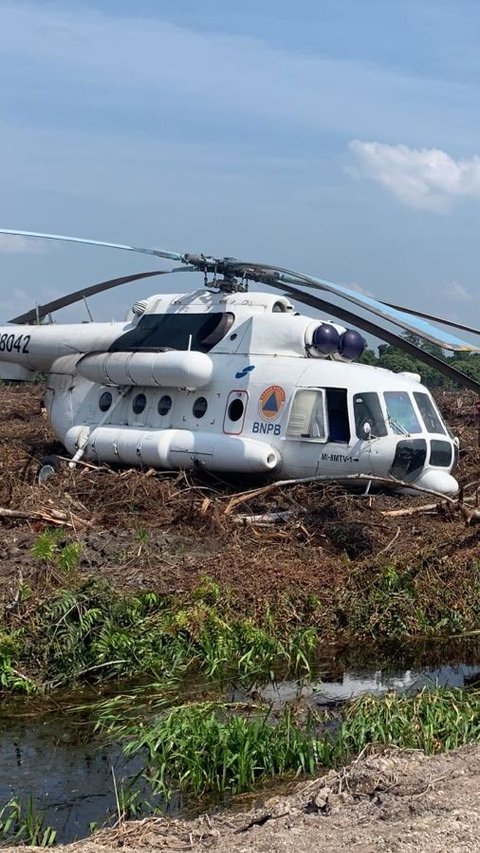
x=164, y=405
x=105, y=401
x=200, y=406
x=337, y=411
x=235, y=410
x=369, y=420
x=401, y=414
x=307, y=415
x=139, y=403
x=430, y=417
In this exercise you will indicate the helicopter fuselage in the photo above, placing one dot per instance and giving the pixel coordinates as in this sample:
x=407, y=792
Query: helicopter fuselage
x=232, y=382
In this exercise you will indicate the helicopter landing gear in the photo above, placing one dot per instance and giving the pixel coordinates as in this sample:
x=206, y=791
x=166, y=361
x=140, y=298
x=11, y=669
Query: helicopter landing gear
x=48, y=468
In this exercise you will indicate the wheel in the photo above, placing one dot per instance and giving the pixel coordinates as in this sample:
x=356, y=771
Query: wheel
x=49, y=467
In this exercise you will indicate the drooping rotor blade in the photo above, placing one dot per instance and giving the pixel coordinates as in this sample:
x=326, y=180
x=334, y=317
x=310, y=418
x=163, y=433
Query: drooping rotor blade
x=158, y=253
x=391, y=315
x=435, y=318
x=390, y=337
x=41, y=311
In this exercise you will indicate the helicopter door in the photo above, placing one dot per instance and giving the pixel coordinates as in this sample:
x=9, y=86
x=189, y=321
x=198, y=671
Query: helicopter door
x=235, y=412
x=369, y=426
x=337, y=412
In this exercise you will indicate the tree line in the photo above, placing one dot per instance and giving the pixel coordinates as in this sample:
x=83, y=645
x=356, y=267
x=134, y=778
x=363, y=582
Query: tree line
x=392, y=358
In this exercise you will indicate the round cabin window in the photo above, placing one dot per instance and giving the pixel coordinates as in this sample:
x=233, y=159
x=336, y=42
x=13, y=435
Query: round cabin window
x=139, y=403
x=105, y=401
x=200, y=406
x=164, y=405
x=235, y=410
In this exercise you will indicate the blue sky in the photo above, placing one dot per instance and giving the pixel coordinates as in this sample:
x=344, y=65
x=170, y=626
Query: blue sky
x=339, y=138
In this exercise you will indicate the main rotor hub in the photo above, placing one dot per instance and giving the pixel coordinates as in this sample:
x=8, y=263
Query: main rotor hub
x=235, y=274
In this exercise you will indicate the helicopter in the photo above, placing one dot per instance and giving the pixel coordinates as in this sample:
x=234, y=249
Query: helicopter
x=235, y=380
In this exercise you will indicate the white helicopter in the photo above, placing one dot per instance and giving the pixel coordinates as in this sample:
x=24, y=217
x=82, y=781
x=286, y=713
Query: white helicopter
x=237, y=381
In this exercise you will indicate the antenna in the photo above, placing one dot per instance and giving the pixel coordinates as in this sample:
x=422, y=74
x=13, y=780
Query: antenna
x=88, y=309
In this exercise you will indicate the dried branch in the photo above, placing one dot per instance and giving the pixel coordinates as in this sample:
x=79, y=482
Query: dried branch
x=53, y=516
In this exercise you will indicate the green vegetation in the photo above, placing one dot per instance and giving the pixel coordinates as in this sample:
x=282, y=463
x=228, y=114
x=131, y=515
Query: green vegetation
x=433, y=720
x=86, y=633
x=75, y=630
x=24, y=824
x=391, y=358
x=217, y=747
x=54, y=552
x=212, y=747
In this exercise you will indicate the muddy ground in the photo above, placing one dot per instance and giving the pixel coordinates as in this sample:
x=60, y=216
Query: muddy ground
x=167, y=531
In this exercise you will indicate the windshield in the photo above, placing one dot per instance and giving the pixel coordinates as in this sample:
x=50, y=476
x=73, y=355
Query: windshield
x=368, y=414
x=430, y=417
x=400, y=412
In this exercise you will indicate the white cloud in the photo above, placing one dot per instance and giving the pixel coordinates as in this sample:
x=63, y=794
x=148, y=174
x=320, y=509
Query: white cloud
x=420, y=177
x=358, y=288
x=456, y=292
x=11, y=244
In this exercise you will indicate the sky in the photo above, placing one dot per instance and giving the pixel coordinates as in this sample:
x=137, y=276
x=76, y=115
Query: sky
x=336, y=137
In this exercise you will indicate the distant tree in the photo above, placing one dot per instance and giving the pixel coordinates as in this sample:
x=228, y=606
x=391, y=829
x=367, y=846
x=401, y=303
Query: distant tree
x=369, y=357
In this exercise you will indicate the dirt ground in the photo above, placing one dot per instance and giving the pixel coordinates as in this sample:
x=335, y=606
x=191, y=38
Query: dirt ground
x=397, y=801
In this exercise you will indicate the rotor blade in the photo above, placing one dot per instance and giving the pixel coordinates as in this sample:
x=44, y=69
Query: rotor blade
x=159, y=253
x=380, y=309
x=398, y=318
x=41, y=311
x=434, y=318
x=390, y=337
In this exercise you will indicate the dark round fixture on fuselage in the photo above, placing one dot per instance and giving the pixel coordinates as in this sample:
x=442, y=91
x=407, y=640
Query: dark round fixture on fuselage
x=326, y=339
x=351, y=345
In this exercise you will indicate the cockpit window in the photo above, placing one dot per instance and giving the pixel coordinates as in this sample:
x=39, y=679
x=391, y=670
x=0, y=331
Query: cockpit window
x=400, y=413
x=369, y=420
x=429, y=416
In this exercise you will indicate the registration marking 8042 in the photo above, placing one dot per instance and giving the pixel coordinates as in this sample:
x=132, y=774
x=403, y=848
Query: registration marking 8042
x=9, y=343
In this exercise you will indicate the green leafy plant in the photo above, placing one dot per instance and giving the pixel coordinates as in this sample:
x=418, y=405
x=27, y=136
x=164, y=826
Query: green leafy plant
x=11, y=679
x=215, y=747
x=22, y=823
x=51, y=549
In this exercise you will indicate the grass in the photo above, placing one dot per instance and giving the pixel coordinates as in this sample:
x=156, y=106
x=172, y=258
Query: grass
x=88, y=633
x=22, y=823
x=212, y=747
x=433, y=720
x=217, y=747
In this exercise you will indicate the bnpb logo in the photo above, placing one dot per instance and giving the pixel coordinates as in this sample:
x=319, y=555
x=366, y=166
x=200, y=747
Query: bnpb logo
x=271, y=402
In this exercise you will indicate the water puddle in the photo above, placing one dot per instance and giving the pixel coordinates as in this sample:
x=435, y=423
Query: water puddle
x=55, y=757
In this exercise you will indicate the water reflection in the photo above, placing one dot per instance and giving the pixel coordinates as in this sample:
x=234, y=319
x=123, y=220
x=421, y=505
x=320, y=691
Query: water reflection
x=353, y=683
x=70, y=778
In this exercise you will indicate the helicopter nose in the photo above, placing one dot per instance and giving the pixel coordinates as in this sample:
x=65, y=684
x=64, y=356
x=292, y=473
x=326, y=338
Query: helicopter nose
x=438, y=481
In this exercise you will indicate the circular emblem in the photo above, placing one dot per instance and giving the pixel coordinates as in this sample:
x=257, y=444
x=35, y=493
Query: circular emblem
x=271, y=402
